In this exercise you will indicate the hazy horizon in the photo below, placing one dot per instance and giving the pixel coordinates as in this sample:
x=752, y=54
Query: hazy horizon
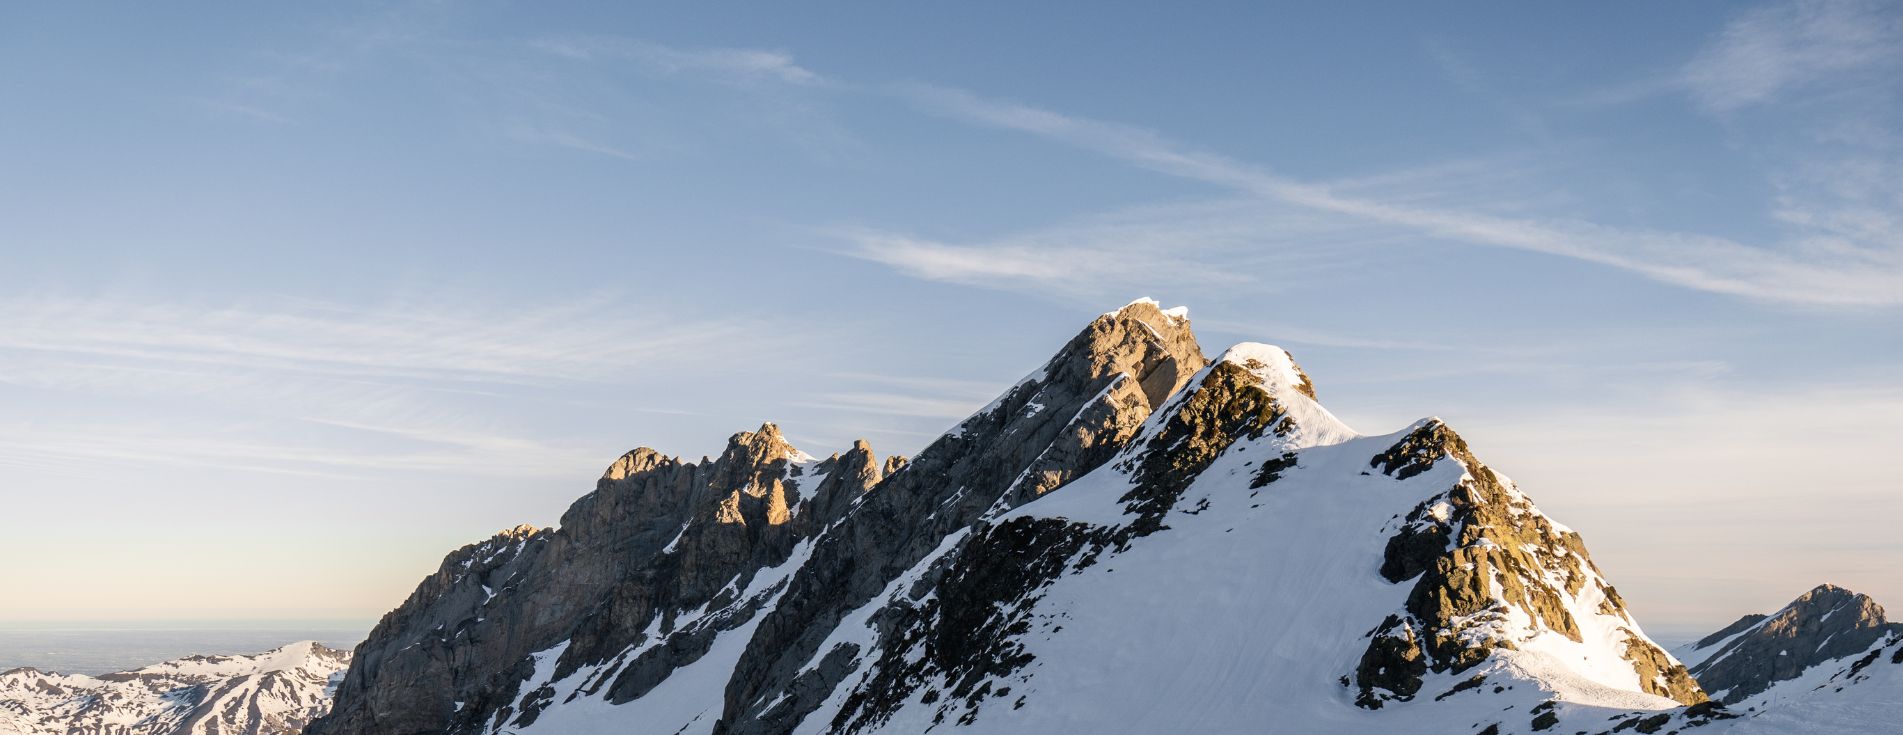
x=300, y=300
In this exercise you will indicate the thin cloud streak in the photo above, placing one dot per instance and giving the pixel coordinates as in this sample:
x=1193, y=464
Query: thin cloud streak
x=1809, y=271
x=1844, y=276
x=1778, y=48
x=575, y=342
x=1109, y=256
x=87, y=449
x=731, y=64
x=312, y=389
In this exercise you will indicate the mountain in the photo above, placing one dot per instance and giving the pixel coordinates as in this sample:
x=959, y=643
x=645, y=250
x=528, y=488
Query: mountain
x=273, y=693
x=1824, y=625
x=1861, y=693
x=1133, y=538
x=1826, y=662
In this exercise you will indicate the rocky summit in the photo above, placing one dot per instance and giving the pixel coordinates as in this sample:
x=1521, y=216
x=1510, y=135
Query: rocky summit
x=1821, y=627
x=1828, y=662
x=1132, y=538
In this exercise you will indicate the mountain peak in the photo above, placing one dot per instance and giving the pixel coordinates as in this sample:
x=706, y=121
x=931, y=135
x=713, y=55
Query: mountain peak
x=521, y=531
x=763, y=593
x=636, y=461
x=763, y=445
x=1274, y=365
x=1823, y=624
x=1829, y=600
x=1140, y=340
x=1830, y=593
x=1145, y=304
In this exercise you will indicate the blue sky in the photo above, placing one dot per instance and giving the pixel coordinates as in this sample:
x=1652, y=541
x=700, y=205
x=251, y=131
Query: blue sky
x=298, y=299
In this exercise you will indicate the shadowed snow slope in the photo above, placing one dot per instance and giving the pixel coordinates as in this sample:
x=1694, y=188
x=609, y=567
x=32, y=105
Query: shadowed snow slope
x=273, y=693
x=1131, y=539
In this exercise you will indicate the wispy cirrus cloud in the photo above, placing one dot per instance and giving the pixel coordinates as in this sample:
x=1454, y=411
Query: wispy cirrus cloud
x=781, y=96
x=1809, y=89
x=1136, y=250
x=1842, y=273
x=577, y=341
x=91, y=451
x=320, y=389
x=1772, y=51
x=1785, y=47
x=729, y=64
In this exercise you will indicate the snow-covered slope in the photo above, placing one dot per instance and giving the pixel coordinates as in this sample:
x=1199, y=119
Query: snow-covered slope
x=1828, y=662
x=1250, y=564
x=273, y=693
x=1132, y=539
x=1860, y=693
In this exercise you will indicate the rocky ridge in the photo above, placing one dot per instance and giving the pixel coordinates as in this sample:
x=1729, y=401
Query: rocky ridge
x=1825, y=626
x=647, y=573
x=1198, y=525
x=1202, y=539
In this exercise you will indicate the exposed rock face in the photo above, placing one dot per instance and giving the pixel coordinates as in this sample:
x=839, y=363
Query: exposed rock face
x=1823, y=626
x=1066, y=419
x=273, y=693
x=1129, y=505
x=1479, y=555
x=660, y=537
x=657, y=537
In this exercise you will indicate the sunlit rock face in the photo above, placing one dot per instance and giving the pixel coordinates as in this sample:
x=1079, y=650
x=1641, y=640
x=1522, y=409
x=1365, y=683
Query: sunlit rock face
x=1133, y=538
x=277, y=692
